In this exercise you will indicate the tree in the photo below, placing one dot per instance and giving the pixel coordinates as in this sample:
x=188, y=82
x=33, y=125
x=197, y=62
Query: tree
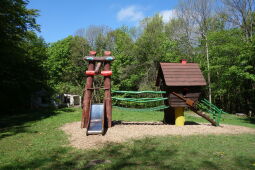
x=232, y=72
x=196, y=14
x=132, y=32
x=123, y=50
x=19, y=58
x=65, y=65
x=152, y=47
x=58, y=64
x=91, y=34
x=177, y=31
x=79, y=48
x=241, y=13
x=36, y=55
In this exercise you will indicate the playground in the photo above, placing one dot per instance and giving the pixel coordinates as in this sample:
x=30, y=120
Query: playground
x=172, y=128
x=42, y=140
x=180, y=87
x=127, y=85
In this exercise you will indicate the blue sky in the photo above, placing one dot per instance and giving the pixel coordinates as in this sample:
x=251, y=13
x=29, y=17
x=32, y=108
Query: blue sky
x=60, y=18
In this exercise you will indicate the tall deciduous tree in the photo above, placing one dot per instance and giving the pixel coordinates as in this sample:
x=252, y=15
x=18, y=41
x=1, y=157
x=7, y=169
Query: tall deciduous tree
x=196, y=14
x=152, y=47
x=21, y=53
x=123, y=49
x=92, y=32
x=58, y=64
x=65, y=65
x=232, y=72
x=241, y=13
x=79, y=48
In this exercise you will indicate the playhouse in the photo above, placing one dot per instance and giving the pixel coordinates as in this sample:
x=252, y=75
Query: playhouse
x=185, y=79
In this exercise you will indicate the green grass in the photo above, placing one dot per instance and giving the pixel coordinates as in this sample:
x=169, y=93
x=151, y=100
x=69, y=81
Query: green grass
x=33, y=140
x=189, y=116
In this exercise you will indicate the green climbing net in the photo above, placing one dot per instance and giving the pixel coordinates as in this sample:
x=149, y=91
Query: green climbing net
x=139, y=100
x=139, y=92
x=125, y=102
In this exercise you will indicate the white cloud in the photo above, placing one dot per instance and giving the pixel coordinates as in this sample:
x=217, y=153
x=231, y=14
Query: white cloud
x=168, y=14
x=130, y=13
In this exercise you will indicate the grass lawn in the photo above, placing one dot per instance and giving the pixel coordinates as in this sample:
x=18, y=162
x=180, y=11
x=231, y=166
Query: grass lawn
x=33, y=140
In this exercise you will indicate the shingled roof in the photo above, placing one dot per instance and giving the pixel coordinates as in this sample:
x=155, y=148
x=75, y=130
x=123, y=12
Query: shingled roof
x=178, y=74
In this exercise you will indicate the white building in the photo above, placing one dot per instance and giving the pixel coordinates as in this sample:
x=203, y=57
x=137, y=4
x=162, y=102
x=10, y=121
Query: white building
x=70, y=100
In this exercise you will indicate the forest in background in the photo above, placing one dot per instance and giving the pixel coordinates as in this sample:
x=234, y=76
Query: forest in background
x=219, y=35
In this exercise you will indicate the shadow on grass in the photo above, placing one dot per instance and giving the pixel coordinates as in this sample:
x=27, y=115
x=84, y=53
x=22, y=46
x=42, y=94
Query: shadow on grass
x=248, y=120
x=14, y=124
x=138, y=154
x=209, y=165
x=245, y=162
x=48, y=158
x=141, y=153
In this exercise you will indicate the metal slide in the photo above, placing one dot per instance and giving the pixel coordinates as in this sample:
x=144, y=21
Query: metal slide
x=96, y=122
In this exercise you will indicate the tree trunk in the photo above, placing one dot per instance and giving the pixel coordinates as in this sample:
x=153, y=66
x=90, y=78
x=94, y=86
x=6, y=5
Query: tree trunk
x=208, y=68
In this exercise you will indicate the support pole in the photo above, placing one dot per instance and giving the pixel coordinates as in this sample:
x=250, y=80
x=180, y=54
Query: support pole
x=98, y=67
x=107, y=95
x=87, y=96
x=179, y=116
x=169, y=116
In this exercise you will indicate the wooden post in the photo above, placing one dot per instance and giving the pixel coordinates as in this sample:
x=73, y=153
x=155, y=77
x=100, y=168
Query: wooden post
x=169, y=116
x=107, y=92
x=87, y=97
x=168, y=112
x=107, y=95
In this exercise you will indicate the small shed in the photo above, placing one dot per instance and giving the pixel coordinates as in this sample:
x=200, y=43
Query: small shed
x=185, y=79
x=70, y=100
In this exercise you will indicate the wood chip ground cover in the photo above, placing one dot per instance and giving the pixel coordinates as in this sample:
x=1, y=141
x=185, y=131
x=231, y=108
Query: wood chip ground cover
x=126, y=131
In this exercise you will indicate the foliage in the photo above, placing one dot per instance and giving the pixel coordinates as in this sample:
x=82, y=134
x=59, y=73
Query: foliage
x=152, y=47
x=65, y=65
x=22, y=54
x=123, y=51
x=198, y=33
x=233, y=69
x=79, y=49
x=138, y=55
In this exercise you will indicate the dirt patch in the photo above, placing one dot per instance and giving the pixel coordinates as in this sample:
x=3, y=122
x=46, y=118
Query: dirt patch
x=134, y=130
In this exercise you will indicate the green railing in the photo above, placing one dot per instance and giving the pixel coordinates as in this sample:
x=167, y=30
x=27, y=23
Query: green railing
x=208, y=107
